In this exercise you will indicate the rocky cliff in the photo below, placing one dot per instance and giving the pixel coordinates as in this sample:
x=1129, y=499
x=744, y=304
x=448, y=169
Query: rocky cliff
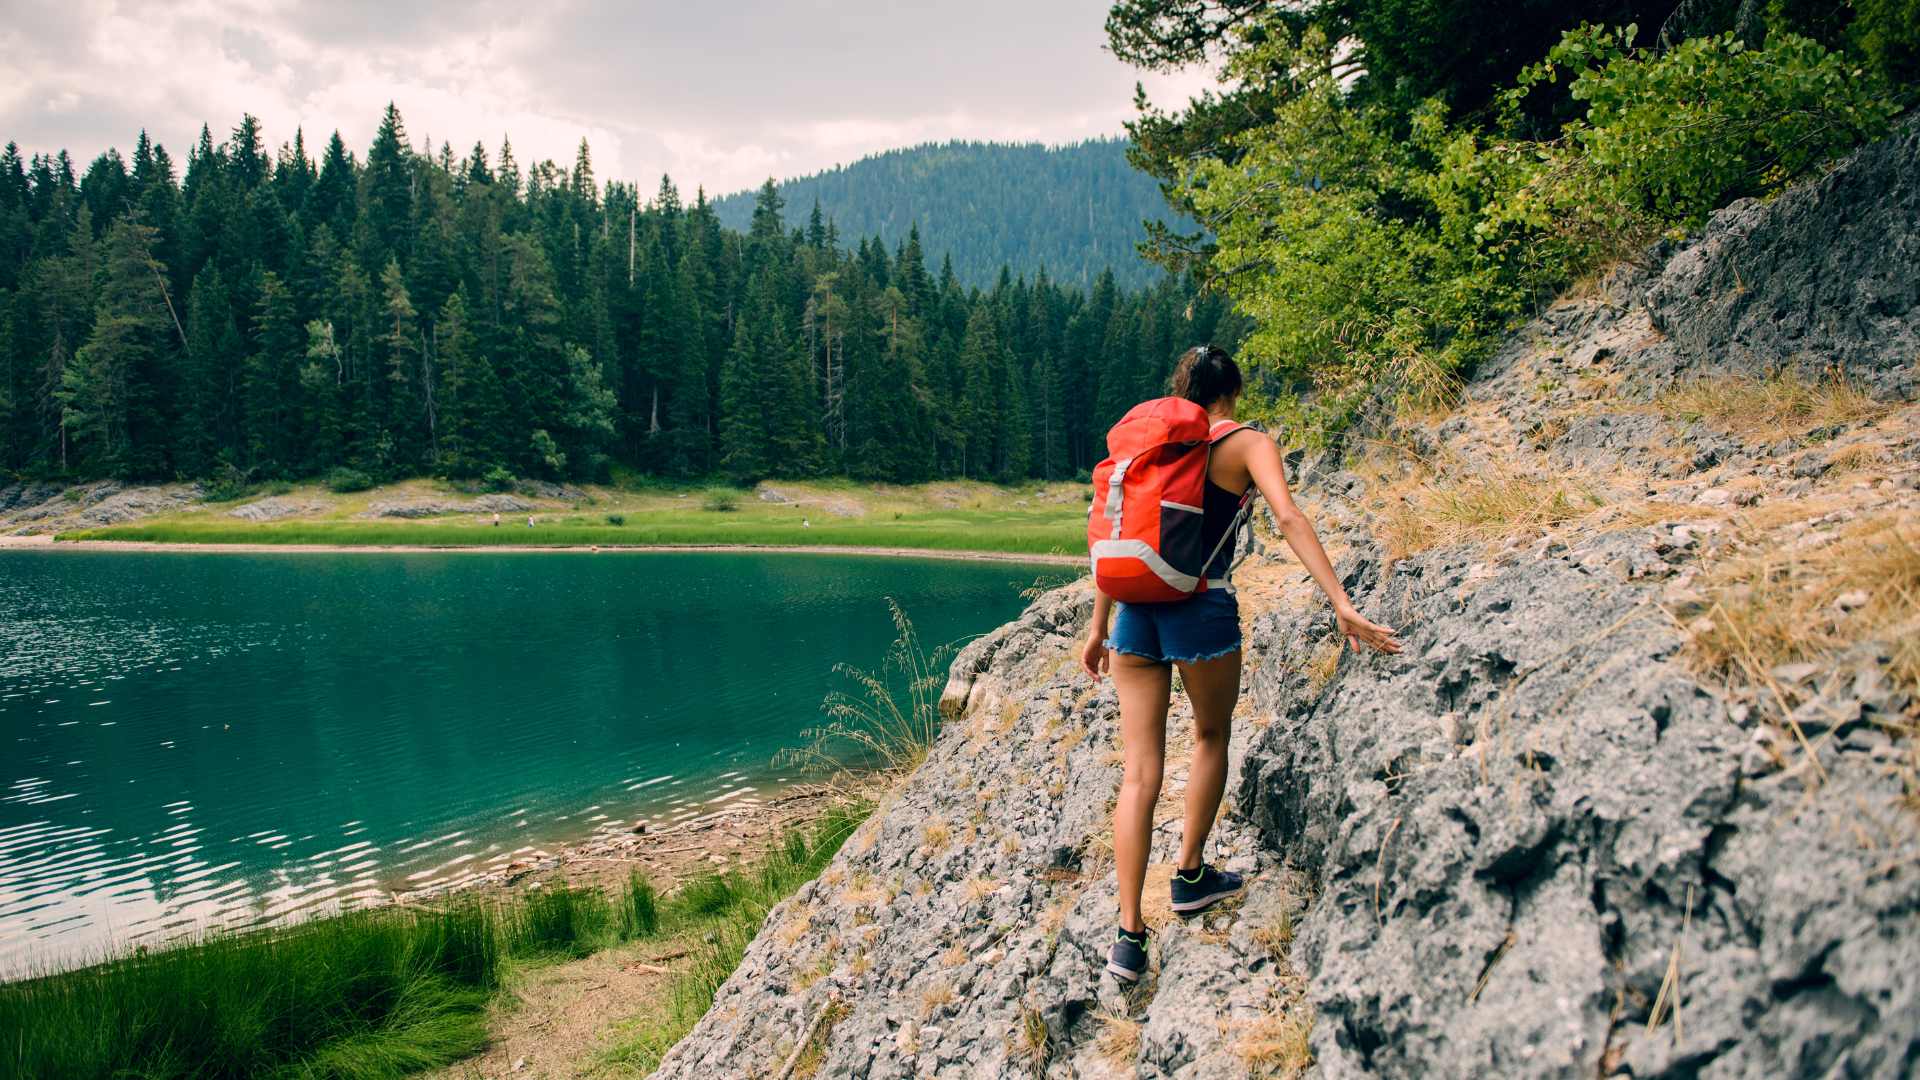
x=1638, y=799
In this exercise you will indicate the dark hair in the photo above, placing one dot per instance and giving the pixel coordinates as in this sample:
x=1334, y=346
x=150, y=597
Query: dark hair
x=1204, y=375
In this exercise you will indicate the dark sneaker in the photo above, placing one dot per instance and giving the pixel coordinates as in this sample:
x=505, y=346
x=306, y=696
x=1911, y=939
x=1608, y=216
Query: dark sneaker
x=1128, y=957
x=1205, y=887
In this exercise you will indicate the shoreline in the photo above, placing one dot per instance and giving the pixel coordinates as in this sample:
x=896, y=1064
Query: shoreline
x=667, y=856
x=601, y=858
x=48, y=542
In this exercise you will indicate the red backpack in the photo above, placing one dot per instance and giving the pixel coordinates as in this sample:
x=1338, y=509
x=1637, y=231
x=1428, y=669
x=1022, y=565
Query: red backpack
x=1144, y=527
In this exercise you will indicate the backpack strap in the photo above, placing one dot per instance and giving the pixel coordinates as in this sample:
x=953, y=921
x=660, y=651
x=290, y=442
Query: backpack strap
x=1243, y=513
x=1223, y=428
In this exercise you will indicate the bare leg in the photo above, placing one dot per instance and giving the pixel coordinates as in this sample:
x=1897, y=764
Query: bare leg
x=1213, y=686
x=1144, y=688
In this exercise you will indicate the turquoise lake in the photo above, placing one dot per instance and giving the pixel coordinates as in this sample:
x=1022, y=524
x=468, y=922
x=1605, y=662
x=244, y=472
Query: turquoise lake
x=191, y=740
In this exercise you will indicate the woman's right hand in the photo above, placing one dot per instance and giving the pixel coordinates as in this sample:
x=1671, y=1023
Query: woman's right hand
x=1357, y=628
x=1093, y=655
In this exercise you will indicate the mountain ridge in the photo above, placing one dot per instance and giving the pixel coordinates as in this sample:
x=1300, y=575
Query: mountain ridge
x=1074, y=209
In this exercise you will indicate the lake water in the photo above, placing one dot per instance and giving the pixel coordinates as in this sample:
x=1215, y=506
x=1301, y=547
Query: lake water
x=192, y=739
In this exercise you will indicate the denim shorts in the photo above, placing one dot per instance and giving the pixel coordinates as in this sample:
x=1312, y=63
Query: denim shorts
x=1202, y=627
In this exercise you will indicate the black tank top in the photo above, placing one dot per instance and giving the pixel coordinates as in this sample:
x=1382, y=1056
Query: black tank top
x=1219, y=509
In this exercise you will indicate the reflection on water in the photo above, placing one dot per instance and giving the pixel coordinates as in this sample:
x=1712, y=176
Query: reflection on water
x=198, y=741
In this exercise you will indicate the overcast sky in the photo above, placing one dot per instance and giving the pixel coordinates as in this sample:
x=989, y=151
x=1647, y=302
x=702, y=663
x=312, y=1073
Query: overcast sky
x=722, y=94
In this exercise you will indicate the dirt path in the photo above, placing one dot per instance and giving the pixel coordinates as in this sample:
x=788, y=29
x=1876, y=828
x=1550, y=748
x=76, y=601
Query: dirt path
x=559, y=1020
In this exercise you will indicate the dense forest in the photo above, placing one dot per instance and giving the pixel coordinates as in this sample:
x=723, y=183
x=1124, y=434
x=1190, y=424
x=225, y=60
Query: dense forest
x=1073, y=210
x=267, y=316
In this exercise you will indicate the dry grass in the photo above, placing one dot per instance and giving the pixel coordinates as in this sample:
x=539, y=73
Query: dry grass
x=819, y=968
x=1323, y=664
x=863, y=891
x=1055, y=918
x=1419, y=503
x=1277, y=936
x=934, y=836
x=807, y=1065
x=1777, y=407
x=1858, y=457
x=794, y=928
x=1033, y=1045
x=1462, y=506
x=955, y=955
x=1274, y=1047
x=980, y=888
x=1769, y=606
x=936, y=997
x=1119, y=1039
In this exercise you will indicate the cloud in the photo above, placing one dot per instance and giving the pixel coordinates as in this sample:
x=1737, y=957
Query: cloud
x=715, y=95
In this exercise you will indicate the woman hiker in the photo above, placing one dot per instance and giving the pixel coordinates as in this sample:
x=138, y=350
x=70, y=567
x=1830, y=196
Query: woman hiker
x=1140, y=644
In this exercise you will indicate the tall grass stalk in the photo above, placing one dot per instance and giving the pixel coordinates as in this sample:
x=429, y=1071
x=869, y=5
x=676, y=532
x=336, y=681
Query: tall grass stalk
x=889, y=718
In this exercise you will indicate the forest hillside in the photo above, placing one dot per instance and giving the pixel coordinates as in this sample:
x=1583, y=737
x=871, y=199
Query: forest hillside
x=1073, y=210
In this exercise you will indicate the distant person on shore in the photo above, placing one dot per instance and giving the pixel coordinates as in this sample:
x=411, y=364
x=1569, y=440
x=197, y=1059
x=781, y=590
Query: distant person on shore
x=529, y=521
x=496, y=519
x=1192, y=621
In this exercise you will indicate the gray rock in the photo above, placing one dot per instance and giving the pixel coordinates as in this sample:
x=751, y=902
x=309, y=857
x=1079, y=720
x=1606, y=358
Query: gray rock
x=547, y=489
x=1822, y=275
x=414, y=508
x=421, y=507
x=273, y=508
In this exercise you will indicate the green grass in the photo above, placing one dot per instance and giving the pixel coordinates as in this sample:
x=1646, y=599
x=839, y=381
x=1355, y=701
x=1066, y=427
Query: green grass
x=1026, y=532
x=719, y=917
x=386, y=992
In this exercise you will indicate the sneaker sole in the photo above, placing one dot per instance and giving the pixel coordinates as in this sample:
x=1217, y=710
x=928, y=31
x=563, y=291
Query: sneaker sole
x=1123, y=974
x=1195, y=907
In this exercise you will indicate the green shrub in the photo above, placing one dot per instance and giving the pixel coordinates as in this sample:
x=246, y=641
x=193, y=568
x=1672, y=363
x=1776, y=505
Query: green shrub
x=721, y=501
x=343, y=480
x=1684, y=131
x=639, y=908
x=709, y=894
x=616, y=519
x=562, y=920
x=229, y=483
x=497, y=479
x=277, y=487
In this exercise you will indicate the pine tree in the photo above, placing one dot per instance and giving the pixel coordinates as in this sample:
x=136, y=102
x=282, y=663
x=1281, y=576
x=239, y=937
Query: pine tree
x=201, y=379
x=408, y=420
x=474, y=408
x=335, y=202
x=269, y=381
x=102, y=383
x=247, y=154
x=386, y=196
x=322, y=382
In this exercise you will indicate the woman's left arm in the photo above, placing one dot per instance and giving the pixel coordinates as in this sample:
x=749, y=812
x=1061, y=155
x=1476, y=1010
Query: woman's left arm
x=1269, y=474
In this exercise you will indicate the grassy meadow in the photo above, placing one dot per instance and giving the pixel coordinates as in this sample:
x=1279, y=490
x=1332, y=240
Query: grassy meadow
x=1039, y=519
